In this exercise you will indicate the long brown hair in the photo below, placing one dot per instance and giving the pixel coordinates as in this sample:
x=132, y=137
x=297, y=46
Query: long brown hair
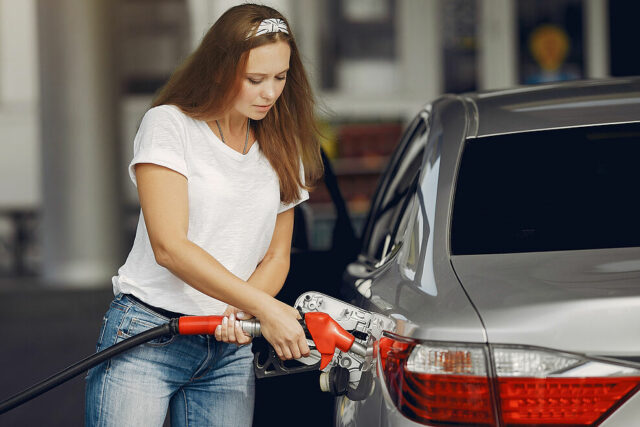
x=204, y=87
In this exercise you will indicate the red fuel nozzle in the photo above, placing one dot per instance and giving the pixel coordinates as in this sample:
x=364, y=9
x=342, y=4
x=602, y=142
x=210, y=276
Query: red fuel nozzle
x=327, y=334
x=199, y=325
x=206, y=325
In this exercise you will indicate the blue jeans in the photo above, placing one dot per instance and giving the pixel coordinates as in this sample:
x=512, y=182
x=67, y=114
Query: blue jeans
x=203, y=382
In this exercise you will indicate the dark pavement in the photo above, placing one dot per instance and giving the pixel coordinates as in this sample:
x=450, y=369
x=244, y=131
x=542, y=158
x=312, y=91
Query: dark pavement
x=42, y=331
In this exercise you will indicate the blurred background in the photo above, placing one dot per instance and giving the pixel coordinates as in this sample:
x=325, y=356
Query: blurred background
x=76, y=76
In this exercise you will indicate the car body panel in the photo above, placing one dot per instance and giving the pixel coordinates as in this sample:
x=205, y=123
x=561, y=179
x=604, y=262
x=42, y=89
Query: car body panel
x=431, y=305
x=557, y=105
x=569, y=300
x=626, y=415
x=446, y=313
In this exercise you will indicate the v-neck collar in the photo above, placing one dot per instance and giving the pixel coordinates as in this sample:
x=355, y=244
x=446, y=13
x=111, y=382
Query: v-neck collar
x=217, y=142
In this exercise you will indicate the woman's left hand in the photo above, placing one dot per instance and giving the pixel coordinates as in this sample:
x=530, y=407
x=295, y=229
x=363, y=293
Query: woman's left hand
x=230, y=330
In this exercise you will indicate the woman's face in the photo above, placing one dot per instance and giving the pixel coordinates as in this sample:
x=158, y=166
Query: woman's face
x=264, y=79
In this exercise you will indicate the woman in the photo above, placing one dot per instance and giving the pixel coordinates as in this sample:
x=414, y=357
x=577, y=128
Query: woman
x=220, y=159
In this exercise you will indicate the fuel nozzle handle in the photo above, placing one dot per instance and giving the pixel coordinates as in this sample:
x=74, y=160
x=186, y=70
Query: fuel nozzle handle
x=206, y=325
x=327, y=334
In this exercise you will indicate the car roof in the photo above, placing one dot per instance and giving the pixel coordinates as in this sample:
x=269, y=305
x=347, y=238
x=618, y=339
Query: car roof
x=555, y=105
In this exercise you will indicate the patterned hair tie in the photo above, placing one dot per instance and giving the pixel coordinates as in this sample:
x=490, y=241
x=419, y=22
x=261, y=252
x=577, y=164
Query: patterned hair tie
x=273, y=25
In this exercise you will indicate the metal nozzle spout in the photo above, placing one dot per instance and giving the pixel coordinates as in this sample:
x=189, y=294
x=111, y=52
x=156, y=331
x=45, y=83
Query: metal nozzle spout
x=251, y=327
x=358, y=349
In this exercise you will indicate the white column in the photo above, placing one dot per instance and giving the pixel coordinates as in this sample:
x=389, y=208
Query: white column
x=498, y=55
x=419, y=44
x=203, y=13
x=18, y=55
x=78, y=127
x=596, y=43
x=19, y=147
x=201, y=17
x=306, y=27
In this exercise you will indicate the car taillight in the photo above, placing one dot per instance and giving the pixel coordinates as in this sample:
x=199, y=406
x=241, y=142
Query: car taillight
x=433, y=383
x=547, y=387
x=437, y=383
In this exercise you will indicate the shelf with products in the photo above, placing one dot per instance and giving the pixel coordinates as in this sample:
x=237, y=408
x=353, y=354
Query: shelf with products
x=323, y=218
x=359, y=165
x=359, y=154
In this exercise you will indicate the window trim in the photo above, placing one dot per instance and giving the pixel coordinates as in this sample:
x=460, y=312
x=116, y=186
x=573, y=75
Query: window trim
x=421, y=120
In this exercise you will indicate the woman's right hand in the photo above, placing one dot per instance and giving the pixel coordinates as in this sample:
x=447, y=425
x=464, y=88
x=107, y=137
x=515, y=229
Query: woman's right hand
x=279, y=325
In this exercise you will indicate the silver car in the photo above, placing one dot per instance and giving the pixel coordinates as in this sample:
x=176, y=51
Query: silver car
x=504, y=239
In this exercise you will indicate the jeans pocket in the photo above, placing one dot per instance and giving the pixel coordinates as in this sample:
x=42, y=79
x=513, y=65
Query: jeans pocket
x=101, y=336
x=137, y=325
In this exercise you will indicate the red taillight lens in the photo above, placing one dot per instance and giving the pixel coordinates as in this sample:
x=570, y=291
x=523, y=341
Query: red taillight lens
x=544, y=387
x=429, y=397
x=575, y=401
x=435, y=383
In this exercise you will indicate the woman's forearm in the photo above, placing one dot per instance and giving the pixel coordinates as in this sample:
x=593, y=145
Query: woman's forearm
x=202, y=271
x=278, y=321
x=270, y=274
x=272, y=271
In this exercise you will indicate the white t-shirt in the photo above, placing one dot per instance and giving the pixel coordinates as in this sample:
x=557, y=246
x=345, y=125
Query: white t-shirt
x=233, y=203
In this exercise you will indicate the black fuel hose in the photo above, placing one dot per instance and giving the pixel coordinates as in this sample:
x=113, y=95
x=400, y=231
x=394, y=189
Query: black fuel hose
x=168, y=329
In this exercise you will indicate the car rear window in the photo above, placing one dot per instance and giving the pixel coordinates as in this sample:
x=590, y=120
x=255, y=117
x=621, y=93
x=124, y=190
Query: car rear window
x=549, y=190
